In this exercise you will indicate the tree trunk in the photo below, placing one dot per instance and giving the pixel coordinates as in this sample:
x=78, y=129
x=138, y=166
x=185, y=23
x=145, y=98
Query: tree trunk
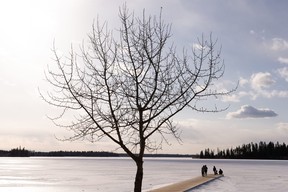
x=139, y=176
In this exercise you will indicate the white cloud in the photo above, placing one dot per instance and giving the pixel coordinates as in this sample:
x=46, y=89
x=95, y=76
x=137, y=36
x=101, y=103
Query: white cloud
x=273, y=93
x=283, y=73
x=226, y=86
x=261, y=80
x=234, y=97
x=283, y=60
x=252, y=32
x=283, y=127
x=268, y=94
x=247, y=111
x=197, y=46
x=277, y=93
x=231, y=98
x=261, y=84
x=243, y=81
x=279, y=44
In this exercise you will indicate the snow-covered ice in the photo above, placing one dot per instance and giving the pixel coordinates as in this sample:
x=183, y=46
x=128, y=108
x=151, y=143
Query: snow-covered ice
x=109, y=174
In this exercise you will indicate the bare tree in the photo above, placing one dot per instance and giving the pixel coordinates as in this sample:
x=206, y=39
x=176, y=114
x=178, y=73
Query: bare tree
x=129, y=88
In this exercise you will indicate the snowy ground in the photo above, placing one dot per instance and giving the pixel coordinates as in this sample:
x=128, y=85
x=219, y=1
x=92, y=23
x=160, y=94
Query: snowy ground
x=247, y=176
x=108, y=174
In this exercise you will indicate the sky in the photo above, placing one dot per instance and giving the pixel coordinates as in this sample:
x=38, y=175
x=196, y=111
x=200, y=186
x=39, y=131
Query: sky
x=253, y=36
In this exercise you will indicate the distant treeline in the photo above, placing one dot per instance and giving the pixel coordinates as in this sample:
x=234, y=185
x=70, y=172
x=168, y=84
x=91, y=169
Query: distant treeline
x=262, y=150
x=17, y=152
x=163, y=155
x=22, y=152
x=74, y=154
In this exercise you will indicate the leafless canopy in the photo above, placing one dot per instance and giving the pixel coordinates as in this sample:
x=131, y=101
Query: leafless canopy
x=129, y=87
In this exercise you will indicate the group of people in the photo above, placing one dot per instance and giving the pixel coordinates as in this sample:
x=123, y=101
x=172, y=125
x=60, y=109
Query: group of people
x=204, y=171
x=215, y=171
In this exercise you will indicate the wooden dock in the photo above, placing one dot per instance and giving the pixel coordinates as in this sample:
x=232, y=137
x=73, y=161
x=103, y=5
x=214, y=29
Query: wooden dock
x=188, y=184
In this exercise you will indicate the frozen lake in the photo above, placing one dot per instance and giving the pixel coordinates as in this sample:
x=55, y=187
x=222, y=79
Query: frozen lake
x=79, y=174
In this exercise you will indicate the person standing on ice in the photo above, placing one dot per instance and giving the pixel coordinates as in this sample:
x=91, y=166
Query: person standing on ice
x=215, y=170
x=203, y=171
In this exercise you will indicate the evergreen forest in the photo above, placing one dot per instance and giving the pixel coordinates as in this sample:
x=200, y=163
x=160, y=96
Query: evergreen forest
x=261, y=150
